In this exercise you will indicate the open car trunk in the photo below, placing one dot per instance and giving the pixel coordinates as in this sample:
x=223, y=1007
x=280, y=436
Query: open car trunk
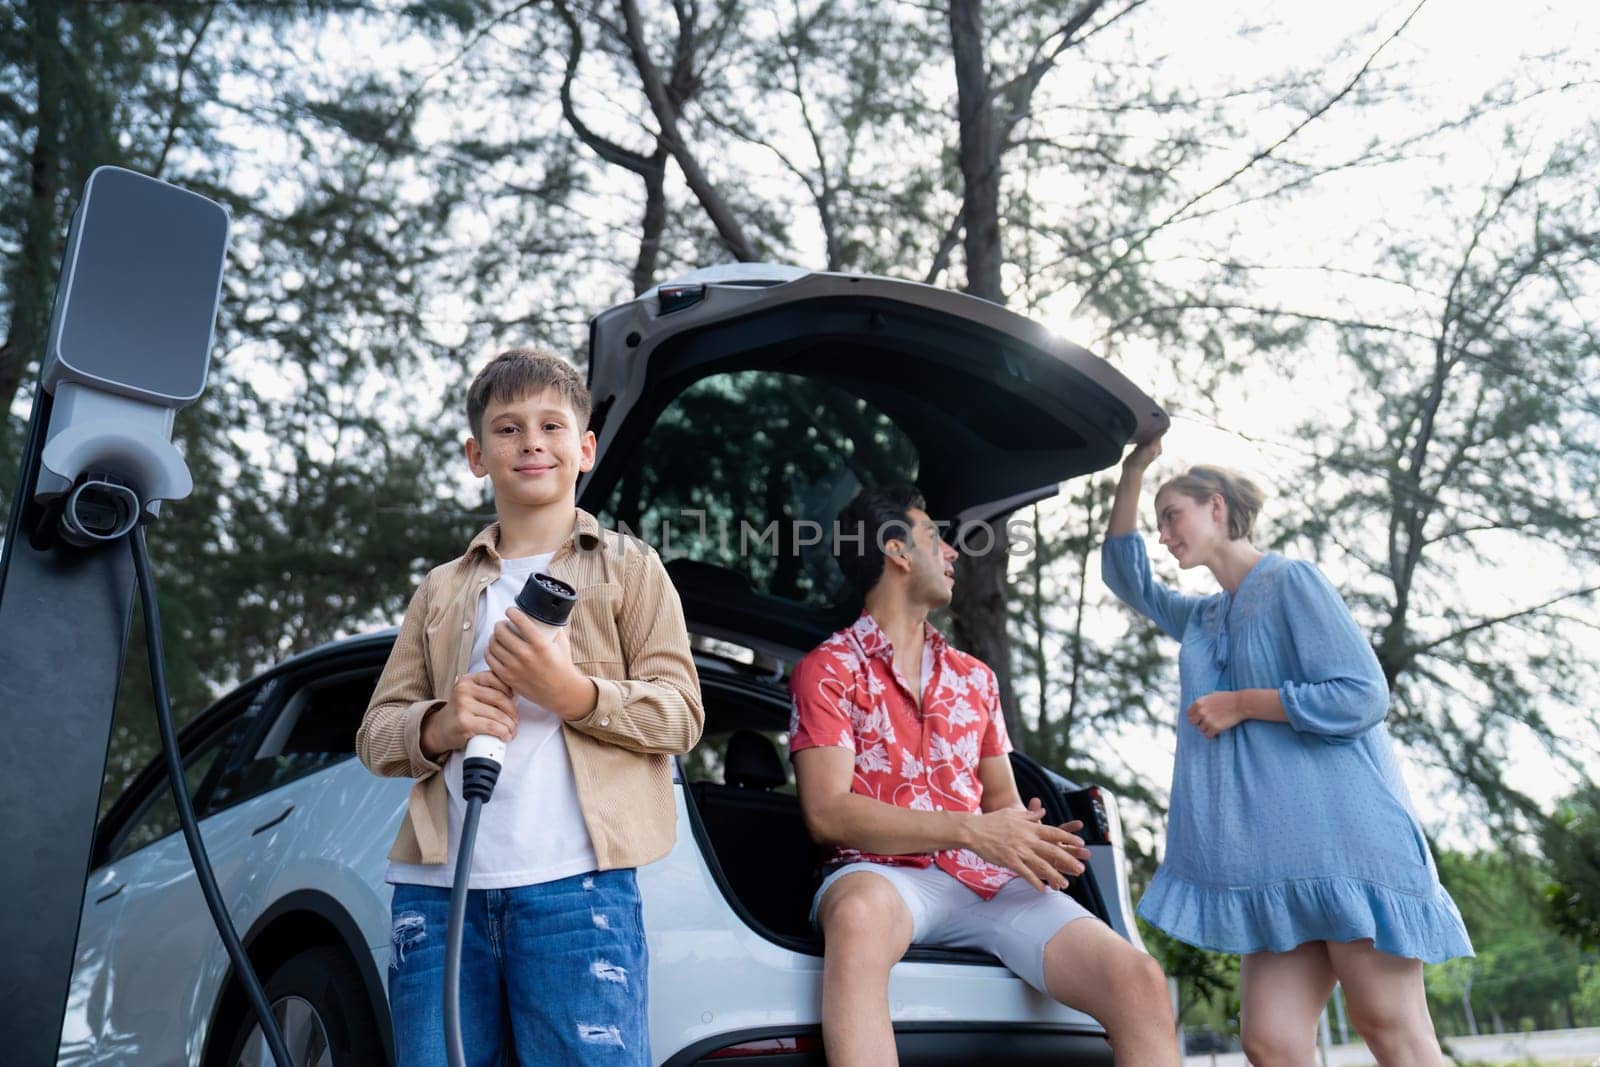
x=739, y=408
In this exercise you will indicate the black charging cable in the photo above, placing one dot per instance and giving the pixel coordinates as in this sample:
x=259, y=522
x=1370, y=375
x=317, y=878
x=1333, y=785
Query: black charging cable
x=477, y=785
x=548, y=602
x=180, y=799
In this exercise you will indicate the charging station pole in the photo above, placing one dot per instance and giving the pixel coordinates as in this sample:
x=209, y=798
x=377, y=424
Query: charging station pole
x=129, y=343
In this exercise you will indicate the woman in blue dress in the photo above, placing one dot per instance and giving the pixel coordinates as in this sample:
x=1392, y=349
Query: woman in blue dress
x=1291, y=839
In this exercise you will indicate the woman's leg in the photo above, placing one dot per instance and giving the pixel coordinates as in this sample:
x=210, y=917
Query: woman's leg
x=1281, y=994
x=1387, y=1003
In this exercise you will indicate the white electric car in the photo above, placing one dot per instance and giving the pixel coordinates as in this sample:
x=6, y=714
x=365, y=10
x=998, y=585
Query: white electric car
x=733, y=407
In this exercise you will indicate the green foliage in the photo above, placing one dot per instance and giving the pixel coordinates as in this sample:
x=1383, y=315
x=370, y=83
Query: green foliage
x=1526, y=973
x=1208, y=982
x=325, y=453
x=1571, y=844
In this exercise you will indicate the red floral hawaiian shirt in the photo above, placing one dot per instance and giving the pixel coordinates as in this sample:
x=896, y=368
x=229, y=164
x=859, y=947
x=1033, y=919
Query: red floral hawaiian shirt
x=847, y=693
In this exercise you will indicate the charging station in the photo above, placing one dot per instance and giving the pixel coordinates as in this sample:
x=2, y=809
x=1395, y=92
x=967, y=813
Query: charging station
x=129, y=345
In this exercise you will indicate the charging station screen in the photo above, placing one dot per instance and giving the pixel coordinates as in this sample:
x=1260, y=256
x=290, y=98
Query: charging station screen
x=143, y=290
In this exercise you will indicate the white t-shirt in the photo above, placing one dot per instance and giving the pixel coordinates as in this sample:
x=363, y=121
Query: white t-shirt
x=531, y=829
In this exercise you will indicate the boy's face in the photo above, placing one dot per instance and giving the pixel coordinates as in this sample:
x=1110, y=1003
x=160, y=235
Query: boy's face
x=532, y=451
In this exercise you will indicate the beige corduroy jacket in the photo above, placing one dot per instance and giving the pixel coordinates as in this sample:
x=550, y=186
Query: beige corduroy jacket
x=627, y=633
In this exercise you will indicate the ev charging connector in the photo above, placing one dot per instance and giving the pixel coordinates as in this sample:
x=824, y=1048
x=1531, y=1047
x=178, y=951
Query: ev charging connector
x=118, y=374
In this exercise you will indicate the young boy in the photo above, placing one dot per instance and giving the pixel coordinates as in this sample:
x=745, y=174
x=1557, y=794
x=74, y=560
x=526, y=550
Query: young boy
x=899, y=750
x=553, y=959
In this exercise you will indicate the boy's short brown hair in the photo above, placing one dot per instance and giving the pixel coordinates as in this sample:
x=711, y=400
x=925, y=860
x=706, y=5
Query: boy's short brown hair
x=519, y=372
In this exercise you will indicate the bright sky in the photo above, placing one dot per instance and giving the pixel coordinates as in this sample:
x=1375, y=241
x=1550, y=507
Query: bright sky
x=1452, y=52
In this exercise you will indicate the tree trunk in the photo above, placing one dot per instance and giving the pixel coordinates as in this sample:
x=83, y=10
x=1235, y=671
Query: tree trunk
x=1041, y=669
x=1079, y=609
x=979, y=611
x=716, y=206
x=979, y=155
x=979, y=606
x=653, y=224
x=30, y=303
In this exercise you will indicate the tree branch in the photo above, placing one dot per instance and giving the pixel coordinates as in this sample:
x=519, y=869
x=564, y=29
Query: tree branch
x=1410, y=517
x=947, y=246
x=716, y=207
x=603, y=147
x=1484, y=624
x=1266, y=152
x=1018, y=90
x=177, y=90
x=1466, y=531
x=825, y=198
x=1215, y=305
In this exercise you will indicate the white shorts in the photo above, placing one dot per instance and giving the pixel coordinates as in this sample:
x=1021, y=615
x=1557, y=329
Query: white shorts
x=1015, y=924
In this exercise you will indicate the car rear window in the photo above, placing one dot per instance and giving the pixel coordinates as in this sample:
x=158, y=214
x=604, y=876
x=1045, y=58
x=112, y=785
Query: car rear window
x=747, y=470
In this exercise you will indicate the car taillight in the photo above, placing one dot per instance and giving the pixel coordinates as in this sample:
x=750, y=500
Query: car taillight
x=772, y=1046
x=1101, y=820
x=672, y=298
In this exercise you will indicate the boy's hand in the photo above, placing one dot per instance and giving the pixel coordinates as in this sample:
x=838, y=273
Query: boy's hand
x=538, y=666
x=478, y=704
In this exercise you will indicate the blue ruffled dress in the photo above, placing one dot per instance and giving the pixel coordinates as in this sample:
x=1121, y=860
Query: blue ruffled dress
x=1282, y=833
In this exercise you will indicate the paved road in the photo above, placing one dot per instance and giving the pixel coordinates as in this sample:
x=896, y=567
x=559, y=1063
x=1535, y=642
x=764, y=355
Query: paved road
x=1566, y=1048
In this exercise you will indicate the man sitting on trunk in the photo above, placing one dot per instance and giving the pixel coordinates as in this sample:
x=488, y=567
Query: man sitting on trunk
x=899, y=750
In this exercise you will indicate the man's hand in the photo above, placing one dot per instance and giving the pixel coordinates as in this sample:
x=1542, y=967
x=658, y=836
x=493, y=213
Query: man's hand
x=1216, y=712
x=478, y=704
x=1018, y=839
x=538, y=666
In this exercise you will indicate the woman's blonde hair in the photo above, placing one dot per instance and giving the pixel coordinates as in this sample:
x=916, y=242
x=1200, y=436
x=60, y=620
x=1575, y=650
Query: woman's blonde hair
x=1242, y=496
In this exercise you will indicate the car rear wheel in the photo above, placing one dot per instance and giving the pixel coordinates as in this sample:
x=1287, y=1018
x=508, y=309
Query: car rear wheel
x=321, y=1006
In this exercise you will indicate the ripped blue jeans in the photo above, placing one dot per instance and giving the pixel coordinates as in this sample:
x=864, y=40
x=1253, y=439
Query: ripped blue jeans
x=550, y=974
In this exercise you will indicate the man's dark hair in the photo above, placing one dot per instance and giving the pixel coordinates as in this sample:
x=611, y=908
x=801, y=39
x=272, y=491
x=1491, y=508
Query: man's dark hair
x=876, y=515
